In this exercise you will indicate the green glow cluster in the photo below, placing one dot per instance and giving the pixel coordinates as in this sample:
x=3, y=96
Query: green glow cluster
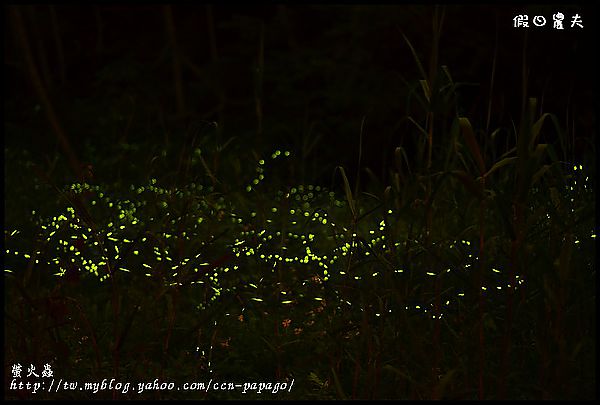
x=300, y=239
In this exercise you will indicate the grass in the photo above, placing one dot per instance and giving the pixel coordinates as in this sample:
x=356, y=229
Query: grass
x=294, y=283
x=466, y=272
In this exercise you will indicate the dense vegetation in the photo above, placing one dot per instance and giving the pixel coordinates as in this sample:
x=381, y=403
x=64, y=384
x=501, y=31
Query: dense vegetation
x=465, y=269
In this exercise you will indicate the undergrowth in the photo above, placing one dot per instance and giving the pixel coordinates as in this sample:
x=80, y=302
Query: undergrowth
x=466, y=271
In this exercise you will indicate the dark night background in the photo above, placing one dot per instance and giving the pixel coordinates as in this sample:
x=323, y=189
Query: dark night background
x=116, y=94
x=324, y=68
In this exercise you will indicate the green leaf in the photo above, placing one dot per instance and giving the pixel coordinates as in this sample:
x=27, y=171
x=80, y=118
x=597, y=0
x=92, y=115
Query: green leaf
x=221, y=148
x=348, y=191
x=425, y=88
x=338, y=386
x=467, y=131
x=399, y=154
x=500, y=164
x=419, y=127
x=540, y=173
x=314, y=378
x=447, y=72
x=399, y=373
x=386, y=195
x=536, y=129
x=539, y=151
x=373, y=177
x=508, y=153
x=396, y=182
x=470, y=184
x=418, y=61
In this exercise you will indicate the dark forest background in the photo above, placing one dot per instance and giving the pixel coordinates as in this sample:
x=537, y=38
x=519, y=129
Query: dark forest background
x=371, y=201
x=122, y=73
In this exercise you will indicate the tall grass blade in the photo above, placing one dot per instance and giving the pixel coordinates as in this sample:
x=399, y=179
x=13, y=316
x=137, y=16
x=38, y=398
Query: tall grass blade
x=360, y=138
x=399, y=154
x=499, y=164
x=467, y=131
x=348, y=191
x=338, y=386
x=419, y=65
